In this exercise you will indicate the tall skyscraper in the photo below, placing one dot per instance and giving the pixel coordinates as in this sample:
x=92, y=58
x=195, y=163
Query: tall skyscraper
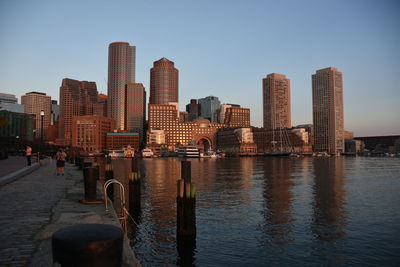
x=163, y=82
x=77, y=98
x=327, y=94
x=34, y=103
x=209, y=106
x=121, y=71
x=135, y=108
x=276, y=102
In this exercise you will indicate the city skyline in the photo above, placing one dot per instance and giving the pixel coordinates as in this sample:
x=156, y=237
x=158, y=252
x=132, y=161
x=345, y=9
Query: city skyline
x=363, y=45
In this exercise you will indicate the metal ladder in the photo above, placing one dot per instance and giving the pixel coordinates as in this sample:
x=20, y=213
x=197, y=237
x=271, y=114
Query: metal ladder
x=122, y=216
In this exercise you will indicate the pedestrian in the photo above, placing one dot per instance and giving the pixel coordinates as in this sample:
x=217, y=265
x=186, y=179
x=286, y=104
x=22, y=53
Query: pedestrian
x=60, y=162
x=28, y=153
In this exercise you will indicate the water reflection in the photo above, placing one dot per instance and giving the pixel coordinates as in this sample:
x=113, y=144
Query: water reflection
x=278, y=199
x=329, y=214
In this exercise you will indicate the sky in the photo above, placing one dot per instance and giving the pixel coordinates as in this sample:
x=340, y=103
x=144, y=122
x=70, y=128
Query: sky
x=221, y=48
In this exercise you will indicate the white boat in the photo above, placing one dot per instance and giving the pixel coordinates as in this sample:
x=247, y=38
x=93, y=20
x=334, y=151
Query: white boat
x=117, y=154
x=188, y=152
x=208, y=154
x=147, y=153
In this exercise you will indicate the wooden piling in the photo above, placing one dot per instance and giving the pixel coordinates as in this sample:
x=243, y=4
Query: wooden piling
x=134, y=189
x=109, y=174
x=186, y=203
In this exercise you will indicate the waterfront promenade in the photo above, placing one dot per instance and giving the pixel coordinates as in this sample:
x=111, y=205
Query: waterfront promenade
x=34, y=206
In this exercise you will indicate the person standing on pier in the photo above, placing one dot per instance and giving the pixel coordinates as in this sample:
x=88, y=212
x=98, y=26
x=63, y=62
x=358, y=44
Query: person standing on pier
x=28, y=153
x=60, y=162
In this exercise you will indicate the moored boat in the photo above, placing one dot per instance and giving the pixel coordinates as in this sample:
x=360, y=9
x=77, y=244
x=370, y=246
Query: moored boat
x=188, y=152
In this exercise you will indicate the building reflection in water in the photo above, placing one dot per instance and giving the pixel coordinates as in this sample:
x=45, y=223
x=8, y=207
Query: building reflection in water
x=278, y=199
x=329, y=214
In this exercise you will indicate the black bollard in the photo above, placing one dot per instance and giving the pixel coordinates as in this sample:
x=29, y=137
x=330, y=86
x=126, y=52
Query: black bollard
x=90, y=176
x=87, y=164
x=88, y=245
x=80, y=163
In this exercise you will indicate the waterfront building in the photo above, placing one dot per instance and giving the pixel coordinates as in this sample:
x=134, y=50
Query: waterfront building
x=10, y=102
x=220, y=113
x=276, y=102
x=77, y=98
x=35, y=103
x=121, y=71
x=353, y=147
x=236, y=142
x=16, y=126
x=328, y=118
x=100, y=108
x=117, y=141
x=166, y=117
x=163, y=82
x=193, y=109
x=209, y=106
x=8, y=98
x=382, y=143
x=237, y=117
x=295, y=140
x=135, y=109
x=89, y=132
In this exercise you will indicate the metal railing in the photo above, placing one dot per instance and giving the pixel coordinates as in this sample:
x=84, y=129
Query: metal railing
x=122, y=216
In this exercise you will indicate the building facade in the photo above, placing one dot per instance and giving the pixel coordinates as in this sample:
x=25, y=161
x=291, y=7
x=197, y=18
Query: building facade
x=16, y=127
x=276, y=102
x=77, y=98
x=199, y=132
x=236, y=142
x=193, y=109
x=135, y=109
x=89, y=132
x=34, y=103
x=237, y=117
x=100, y=108
x=209, y=107
x=121, y=71
x=328, y=115
x=10, y=102
x=164, y=85
x=117, y=141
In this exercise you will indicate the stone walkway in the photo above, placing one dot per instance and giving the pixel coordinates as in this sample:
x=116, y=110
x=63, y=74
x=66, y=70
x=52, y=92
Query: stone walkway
x=12, y=164
x=35, y=206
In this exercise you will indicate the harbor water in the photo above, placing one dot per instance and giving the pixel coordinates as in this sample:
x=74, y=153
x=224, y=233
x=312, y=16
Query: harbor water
x=271, y=211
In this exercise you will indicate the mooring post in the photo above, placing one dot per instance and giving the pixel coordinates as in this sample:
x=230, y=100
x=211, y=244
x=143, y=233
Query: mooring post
x=134, y=188
x=109, y=174
x=186, y=202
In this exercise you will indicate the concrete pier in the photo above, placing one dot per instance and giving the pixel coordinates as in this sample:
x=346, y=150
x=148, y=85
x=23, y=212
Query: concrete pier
x=36, y=205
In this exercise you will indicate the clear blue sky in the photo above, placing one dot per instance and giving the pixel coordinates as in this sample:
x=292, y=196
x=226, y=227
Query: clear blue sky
x=221, y=48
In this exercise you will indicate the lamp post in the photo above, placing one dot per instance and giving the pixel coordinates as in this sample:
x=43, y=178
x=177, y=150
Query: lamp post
x=42, y=129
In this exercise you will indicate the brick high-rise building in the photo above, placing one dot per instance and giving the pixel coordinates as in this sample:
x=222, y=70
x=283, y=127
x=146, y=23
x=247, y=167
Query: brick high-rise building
x=121, y=71
x=34, y=103
x=276, y=102
x=100, y=108
x=237, y=117
x=163, y=82
x=77, y=98
x=90, y=132
x=135, y=109
x=327, y=94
